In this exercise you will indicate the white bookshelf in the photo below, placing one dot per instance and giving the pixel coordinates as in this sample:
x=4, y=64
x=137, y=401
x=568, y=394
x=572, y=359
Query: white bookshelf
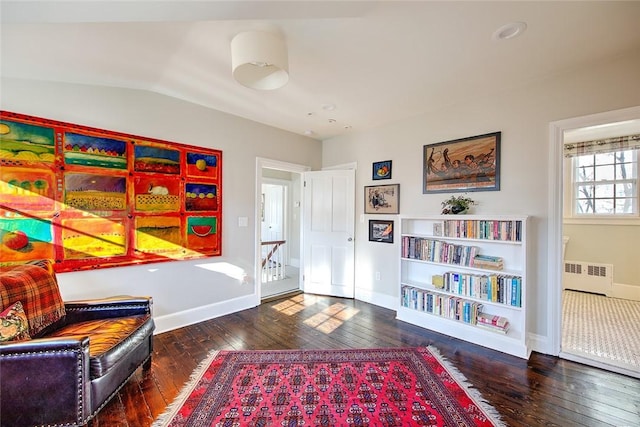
x=497, y=236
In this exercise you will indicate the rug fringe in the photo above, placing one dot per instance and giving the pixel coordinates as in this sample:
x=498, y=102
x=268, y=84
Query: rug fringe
x=165, y=418
x=469, y=388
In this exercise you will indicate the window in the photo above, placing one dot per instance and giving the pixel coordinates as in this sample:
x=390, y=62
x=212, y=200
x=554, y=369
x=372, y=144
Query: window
x=606, y=183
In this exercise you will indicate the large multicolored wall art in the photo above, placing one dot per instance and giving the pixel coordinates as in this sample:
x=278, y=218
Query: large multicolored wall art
x=90, y=198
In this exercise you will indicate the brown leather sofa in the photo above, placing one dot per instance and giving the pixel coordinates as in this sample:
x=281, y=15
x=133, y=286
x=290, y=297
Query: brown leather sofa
x=67, y=367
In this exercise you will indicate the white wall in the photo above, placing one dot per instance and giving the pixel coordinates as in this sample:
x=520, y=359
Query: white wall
x=184, y=291
x=523, y=115
x=607, y=243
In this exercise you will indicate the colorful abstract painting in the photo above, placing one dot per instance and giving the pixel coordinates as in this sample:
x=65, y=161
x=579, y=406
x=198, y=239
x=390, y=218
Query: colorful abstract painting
x=159, y=235
x=90, y=192
x=157, y=194
x=90, y=198
x=25, y=239
x=93, y=151
x=202, y=164
x=93, y=238
x=201, y=197
x=202, y=233
x=24, y=142
x=156, y=159
x=23, y=188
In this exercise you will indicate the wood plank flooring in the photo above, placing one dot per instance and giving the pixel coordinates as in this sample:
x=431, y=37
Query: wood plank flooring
x=544, y=391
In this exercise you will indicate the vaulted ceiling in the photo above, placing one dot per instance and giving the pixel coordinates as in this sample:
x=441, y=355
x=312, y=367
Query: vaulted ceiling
x=353, y=65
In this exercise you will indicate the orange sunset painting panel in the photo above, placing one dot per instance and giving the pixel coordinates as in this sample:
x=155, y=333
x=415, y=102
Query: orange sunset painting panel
x=93, y=238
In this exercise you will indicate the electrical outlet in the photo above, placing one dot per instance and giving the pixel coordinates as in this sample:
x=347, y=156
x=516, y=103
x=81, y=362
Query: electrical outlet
x=377, y=275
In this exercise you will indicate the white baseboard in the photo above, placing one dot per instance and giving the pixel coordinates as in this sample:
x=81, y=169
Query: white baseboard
x=630, y=371
x=375, y=298
x=177, y=320
x=540, y=344
x=623, y=291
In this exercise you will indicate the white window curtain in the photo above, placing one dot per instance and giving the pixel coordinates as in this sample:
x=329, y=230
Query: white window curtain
x=608, y=145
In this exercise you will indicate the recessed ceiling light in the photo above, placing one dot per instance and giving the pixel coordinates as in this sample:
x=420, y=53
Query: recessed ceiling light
x=332, y=120
x=329, y=107
x=509, y=31
x=347, y=127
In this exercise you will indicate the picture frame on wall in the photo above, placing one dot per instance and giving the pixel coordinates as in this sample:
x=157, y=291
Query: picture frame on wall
x=125, y=199
x=382, y=199
x=380, y=231
x=461, y=165
x=381, y=170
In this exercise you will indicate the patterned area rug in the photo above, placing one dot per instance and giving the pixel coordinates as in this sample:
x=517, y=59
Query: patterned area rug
x=601, y=328
x=372, y=387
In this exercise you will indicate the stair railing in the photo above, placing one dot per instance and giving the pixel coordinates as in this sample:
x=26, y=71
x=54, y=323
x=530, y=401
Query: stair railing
x=273, y=262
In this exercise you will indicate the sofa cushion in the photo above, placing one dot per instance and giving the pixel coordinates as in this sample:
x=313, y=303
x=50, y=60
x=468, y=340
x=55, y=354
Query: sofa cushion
x=14, y=325
x=35, y=285
x=109, y=339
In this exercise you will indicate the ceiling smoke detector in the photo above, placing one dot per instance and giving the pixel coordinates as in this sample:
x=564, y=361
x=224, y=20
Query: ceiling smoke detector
x=510, y=31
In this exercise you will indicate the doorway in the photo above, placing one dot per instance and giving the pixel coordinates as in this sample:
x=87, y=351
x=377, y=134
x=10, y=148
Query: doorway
x=278, y=228
x=575, y=333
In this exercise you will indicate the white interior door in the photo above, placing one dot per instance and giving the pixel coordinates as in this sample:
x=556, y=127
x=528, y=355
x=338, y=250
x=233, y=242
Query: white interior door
x=273, y=222
x=329, y=205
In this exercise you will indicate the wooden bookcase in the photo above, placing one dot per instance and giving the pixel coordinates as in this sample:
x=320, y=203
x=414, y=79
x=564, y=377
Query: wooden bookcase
x=445, y=245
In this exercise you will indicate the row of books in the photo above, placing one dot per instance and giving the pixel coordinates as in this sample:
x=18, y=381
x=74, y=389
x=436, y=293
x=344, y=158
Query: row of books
x=452, y=307
x=448, y=306
x=438, y=251
x=484, y=229
x=502, y=288
x=425, y=249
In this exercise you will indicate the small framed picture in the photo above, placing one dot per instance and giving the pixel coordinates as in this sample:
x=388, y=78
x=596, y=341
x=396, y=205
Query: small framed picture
x=382, y=199
x=380, y=231
x=381, y=170
x=437, y=229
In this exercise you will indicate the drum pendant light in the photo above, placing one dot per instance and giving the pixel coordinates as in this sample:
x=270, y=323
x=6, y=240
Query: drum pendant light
x=259, y=60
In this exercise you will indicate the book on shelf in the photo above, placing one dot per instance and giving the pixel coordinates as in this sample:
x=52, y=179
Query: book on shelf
x=437, y=280
x=492, y=320
x=491, y=328
x=488, y=262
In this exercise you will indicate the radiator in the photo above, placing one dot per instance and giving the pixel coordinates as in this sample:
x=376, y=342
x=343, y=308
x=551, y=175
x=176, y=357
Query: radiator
x=588, y=277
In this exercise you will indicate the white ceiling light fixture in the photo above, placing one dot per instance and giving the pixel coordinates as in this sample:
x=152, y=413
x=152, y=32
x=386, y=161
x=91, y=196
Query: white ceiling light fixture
x=259, y=60
x=510, y=31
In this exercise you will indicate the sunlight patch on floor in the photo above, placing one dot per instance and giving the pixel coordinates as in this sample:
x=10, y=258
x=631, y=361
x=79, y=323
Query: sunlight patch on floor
x=331, y=318
x=295, y=304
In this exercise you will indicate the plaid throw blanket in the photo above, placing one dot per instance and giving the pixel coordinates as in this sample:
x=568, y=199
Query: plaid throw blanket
x=35, y=285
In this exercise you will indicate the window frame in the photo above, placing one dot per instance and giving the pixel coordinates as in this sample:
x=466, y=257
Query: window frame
x=571, y=170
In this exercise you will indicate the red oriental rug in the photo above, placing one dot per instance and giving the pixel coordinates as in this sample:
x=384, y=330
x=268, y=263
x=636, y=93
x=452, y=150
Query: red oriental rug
x=366, y=387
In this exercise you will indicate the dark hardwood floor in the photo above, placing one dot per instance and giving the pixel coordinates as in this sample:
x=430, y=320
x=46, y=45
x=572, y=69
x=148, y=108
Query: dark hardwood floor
x=543, y=391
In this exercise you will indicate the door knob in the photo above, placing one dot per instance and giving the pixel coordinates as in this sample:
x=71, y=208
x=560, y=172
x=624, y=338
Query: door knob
x=350, y=239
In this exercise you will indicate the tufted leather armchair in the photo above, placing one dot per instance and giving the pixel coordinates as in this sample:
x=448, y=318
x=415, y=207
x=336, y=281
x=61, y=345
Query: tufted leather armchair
x=68, y=372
